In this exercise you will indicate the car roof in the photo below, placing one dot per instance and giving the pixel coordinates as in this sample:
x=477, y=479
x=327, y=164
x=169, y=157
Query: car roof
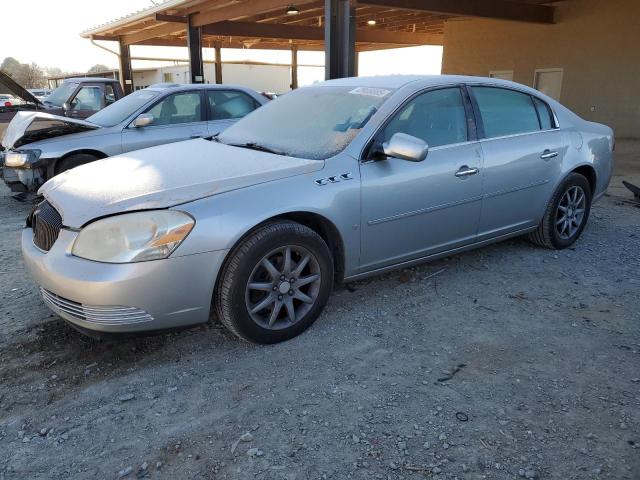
x=194, y=86
x=398, y=81
x=88, y=79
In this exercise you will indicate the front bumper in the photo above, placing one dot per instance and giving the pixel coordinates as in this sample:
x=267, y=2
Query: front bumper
x=121, y=298
x=20, y=179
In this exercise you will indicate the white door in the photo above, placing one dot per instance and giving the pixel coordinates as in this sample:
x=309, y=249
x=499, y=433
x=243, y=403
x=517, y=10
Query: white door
x=549, y=82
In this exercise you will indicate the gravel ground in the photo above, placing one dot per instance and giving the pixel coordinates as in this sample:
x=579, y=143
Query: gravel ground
x=507, y=362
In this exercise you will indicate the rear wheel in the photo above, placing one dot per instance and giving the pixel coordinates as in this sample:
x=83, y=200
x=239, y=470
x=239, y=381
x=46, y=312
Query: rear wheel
x=73, y=161
x=566, y=215
x=275, y=283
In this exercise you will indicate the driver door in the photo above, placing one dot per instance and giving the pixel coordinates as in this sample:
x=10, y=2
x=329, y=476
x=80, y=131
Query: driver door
x=414, y=209
x=176, y=117
x=86, y=101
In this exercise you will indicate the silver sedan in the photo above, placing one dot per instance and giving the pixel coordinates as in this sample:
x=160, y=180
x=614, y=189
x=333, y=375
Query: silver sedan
x=39, y=145
x=328, y=183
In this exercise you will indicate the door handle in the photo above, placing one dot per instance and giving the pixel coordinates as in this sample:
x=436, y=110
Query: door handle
x=465, y=171
x=547, y=154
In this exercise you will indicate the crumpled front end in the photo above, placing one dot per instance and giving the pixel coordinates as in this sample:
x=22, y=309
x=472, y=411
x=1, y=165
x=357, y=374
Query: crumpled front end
x=22, y=168
x=29, y=127
x=22, y=179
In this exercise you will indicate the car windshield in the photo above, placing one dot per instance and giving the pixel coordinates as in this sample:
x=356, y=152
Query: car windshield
x=122, y=109
x=61, y=94
x=311, y=122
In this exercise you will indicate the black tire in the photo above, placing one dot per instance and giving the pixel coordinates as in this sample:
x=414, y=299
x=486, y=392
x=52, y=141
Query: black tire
x=73, y=161
x=547, y=235
x=230, y=298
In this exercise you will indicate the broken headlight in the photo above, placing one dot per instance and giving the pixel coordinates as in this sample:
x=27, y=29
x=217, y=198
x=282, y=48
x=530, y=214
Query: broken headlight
x=133, y=237
x=20, y=159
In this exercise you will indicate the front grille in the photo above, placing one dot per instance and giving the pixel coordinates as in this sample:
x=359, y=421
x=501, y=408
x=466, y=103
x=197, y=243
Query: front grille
x=46, y=223
x=101, y=315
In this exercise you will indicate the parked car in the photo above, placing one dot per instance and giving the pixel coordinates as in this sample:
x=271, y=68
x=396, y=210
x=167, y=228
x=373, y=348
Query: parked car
x=331, y=182
x=39, y=93
x=75, y=98
x=40, y=146
x=7, y=100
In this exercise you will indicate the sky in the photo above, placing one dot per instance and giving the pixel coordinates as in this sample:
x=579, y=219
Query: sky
x=48, y=33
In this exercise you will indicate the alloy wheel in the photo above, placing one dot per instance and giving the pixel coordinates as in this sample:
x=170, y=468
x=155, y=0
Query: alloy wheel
x=570, y=212
x=283, y=287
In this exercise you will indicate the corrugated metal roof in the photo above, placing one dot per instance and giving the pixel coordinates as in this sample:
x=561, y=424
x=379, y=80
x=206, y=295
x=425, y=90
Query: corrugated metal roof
x=139, y=15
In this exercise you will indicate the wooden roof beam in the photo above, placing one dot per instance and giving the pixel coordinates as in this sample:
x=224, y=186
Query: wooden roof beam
x=161, y=17
x=497, y=9
x=158, y=31
x=241, y=9
x=294, y=32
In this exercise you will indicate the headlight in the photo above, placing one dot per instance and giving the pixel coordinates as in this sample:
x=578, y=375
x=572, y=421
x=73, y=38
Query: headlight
x=133, y=237
x=20, y=159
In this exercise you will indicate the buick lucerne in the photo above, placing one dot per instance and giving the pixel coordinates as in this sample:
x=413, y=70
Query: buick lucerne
x=328, y=183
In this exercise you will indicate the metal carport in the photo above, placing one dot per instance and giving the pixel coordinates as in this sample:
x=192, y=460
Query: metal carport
x=352, y=26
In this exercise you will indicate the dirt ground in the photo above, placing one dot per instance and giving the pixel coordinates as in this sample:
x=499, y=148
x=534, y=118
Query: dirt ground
x=507, y=362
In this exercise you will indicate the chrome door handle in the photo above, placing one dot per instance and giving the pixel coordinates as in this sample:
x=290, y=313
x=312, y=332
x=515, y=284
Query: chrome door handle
x=547, y=154
x=466, y=171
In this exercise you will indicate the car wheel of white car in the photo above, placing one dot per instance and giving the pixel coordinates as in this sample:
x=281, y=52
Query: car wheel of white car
x=275, y=283
x=566, y=215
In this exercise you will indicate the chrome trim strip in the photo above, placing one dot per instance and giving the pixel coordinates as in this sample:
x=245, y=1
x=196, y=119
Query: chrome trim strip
x=424, y=210
x=454, y=204
x=516, y=189
x=103, y=315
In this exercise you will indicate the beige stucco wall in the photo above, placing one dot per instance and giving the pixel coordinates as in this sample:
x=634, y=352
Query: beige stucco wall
x=596, y=42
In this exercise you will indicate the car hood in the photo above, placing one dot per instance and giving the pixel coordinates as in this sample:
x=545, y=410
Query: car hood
x=28, y=127
x=8, y=84
x=162, y=177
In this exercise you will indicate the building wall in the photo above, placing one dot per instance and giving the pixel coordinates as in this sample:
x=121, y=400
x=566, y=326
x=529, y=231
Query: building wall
x=595, y=42
x=264, y=78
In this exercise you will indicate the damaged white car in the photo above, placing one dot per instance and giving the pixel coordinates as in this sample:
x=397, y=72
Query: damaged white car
x=37, y=145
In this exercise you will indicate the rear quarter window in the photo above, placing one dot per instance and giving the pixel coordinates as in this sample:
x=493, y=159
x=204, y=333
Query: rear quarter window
x=544, y=112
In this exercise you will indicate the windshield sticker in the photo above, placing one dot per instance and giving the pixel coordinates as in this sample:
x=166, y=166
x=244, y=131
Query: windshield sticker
x=372, y=92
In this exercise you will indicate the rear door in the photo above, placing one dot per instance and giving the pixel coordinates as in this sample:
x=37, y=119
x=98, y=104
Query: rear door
x=415, y=209
x=178, y=116
x=226, y=107
x=523, y=151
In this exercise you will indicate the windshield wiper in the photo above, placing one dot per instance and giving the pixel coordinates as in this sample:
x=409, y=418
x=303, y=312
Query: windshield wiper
x=257, y=146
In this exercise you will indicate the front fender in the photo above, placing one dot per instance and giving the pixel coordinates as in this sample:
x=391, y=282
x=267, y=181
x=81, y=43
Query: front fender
x=222, y=220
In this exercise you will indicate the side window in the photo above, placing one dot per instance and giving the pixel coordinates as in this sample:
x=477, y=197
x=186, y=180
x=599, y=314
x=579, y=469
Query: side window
x=87, y=98
x=437, y=117
x=177, y=108
x=505, y=112
x=229, y=104
x=544, y=112
x=109, y=95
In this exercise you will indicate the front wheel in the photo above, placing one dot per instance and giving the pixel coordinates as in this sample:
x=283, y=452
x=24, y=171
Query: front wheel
x=275, y=283
x=73, y=161
x=566, y=215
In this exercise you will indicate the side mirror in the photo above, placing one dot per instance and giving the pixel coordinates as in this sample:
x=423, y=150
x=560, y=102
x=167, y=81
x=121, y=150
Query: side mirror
x=143, y=120
x=406, y=147
x=66, y=106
